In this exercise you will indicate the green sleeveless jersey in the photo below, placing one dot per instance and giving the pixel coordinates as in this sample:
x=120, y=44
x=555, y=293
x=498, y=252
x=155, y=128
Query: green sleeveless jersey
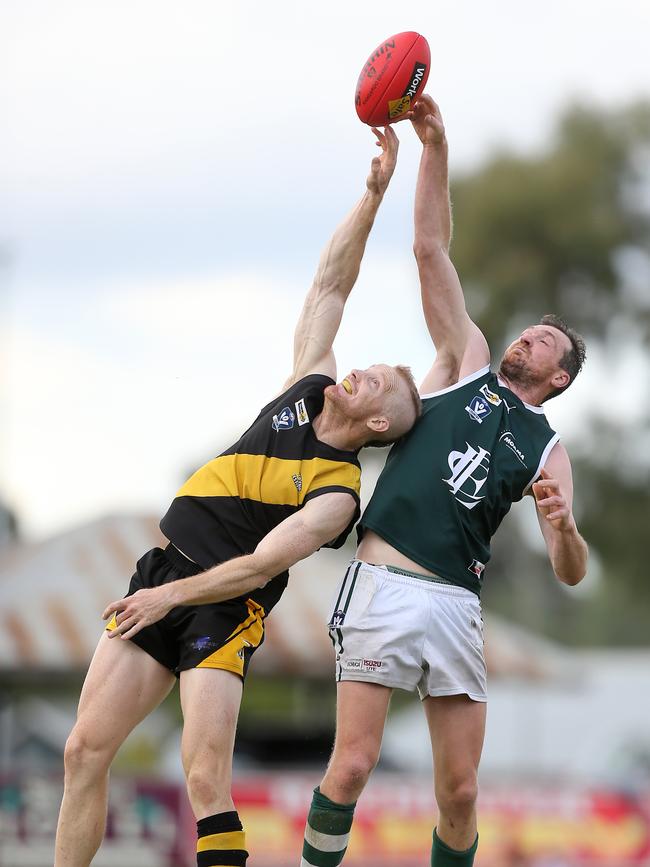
x=449, y=483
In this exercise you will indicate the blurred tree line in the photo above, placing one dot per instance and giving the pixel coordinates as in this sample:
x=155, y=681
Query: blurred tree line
x=568, y=231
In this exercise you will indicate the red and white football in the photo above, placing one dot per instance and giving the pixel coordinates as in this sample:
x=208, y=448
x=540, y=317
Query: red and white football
x=392, y=78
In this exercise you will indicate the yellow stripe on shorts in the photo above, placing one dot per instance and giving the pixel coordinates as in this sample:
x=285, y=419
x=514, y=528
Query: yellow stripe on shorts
x=112, y=623
x=248, y=633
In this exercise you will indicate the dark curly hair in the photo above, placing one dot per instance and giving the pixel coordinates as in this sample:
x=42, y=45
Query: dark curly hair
x=574, y=358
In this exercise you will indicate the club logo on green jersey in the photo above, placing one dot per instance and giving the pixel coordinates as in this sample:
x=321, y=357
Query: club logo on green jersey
x=469, y=472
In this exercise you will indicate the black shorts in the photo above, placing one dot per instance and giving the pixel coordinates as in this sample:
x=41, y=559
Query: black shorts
x=218, y=635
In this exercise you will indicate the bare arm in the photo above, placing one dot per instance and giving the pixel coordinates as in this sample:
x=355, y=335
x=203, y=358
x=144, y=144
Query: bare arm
x=455, y=336
x=553, y=494
x=338, y=270
x=320, y=521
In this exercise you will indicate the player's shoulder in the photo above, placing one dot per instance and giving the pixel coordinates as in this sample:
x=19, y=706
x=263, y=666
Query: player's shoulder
x=472, y=377
x=557, y=464
x=312, y=381
x=558, y=458
x=310, y=385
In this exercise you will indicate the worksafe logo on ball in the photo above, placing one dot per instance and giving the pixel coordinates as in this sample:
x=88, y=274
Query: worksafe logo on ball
x=478, y=409
x=397, y=107
x=284, y=419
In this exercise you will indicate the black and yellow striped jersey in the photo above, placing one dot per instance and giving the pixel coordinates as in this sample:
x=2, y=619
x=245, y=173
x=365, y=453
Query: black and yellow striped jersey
x=227, y=507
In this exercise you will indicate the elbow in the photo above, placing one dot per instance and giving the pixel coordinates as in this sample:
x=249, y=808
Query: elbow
x=573, y=574
x=260, y=579
x=571, y=580
x=327, y=286
x=260, y=572
x=427, y=250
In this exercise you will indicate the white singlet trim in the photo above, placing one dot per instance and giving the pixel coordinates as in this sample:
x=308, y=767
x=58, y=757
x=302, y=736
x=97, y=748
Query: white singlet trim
x=551, y=443
x=461, y=382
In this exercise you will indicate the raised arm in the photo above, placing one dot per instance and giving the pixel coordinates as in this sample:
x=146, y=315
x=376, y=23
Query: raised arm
x=459, y=343
x=338, y=270
x=553, y=493
x=321, y=520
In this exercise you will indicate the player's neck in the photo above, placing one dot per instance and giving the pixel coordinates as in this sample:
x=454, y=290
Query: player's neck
x=532, y=395
x=334, y=429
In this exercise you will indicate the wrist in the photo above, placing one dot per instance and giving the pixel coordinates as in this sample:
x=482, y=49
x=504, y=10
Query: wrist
x=374, y=196
x=174, y=593
x=568, y=529
x=439, y=145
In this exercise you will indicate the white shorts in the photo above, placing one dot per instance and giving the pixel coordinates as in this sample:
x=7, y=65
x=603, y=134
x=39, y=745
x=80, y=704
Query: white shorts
x=408, y=633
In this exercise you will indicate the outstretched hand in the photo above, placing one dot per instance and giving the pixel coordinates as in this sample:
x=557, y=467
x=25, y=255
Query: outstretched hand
x=135, y=612
x=382, y=168
x=551, y=502
x=427, y=121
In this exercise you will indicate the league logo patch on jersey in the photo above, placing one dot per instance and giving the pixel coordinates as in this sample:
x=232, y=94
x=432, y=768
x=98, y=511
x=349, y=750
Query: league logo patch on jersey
x=476, y=567
x=478, y=409
x=301, y=412
x=297, y=480
x=283, y=420
x=337, y=619
x=490, y=396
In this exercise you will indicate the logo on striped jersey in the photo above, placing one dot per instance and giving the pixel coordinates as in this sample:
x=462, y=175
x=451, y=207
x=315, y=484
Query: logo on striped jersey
x=283, y=420
x=301, y=412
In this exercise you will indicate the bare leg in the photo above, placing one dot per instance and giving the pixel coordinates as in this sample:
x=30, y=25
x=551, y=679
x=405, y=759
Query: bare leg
x=457, y=727
x=210, y=699
x=360, y=717
x=361, y=710
x=122, y=686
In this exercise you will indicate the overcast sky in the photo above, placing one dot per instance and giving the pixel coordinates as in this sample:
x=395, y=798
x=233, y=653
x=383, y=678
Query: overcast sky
x=169, y=174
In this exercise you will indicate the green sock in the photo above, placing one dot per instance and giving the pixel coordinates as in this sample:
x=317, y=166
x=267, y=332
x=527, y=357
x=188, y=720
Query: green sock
x=327, y=832
x=443, y=856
